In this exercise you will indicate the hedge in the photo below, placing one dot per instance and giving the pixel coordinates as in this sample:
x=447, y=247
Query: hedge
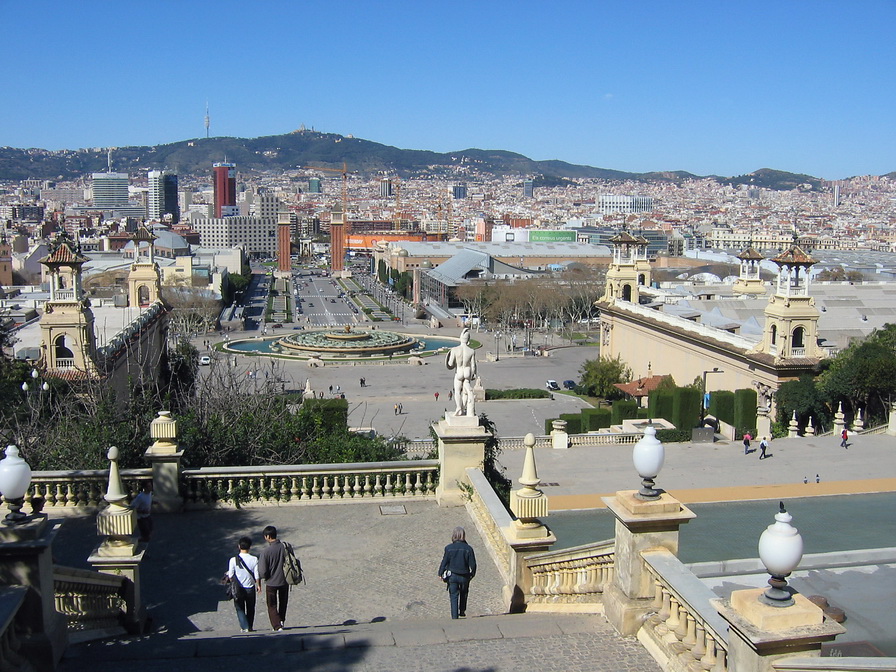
x=549, y=425
x=594, y=419
x=573, y=422
x=624, y=410
x=745, y=401
x=686, y=407
x=721, y=405
x=520, y=393
x=673, y=435
x=661, y=404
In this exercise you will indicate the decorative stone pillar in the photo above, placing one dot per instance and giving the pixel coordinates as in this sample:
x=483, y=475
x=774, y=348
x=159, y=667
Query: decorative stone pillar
x=559, y=437
x=859, y=422
x=26, y=559
x=840, y=420
x=461, y=445
x=529, y=504
x=641, y=525
x=810, y=428
x=891, y=421
x=165, y=459
x=118, y=553
x=760, y=634
x=793, y=428
x=478, y=390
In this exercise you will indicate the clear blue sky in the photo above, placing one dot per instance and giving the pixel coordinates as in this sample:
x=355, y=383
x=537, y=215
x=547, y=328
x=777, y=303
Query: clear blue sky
x=707, y=87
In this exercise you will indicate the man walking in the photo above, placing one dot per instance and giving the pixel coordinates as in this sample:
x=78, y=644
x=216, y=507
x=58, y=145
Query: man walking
x=763, y=446
x=270, y=570
x=747, y=438
x=844, y=435
x=458, y=566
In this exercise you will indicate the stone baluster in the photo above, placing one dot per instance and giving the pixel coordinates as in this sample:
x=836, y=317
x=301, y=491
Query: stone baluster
x=418, y=484
x=367, y=488
x=700, y=636
x=356, y=489
x=378, y=486
x=389, y=487
x=294, y=491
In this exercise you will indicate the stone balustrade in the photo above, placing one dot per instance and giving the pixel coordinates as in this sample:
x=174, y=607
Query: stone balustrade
x=92, y=603
x=415, y=449
x=684, y=631
x=79, y=488
x=571, y=576
x=11, y=600
x=275, y=485
x=492, y=520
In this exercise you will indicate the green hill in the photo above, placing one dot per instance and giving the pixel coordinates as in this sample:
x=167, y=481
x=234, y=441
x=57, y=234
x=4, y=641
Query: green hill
x=311, y=148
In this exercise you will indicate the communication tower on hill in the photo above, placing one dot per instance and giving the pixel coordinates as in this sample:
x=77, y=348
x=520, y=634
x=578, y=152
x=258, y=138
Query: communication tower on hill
x=208, y=120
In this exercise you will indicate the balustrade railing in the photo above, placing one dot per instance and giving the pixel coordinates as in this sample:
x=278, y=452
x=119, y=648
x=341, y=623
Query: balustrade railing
x=491, y=519
x=684, y=626
x=571, y=575
x=79, y=488
x=65, y=362
x=835, y=664
x=90, y=601
x=423, y=447
x=241, y=486
x=11, y=600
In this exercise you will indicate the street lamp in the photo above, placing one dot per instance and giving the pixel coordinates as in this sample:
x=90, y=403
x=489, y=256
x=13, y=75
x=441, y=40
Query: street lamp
x=15, y=477
x=780, y=549
x=648, y=457
x=703, y=403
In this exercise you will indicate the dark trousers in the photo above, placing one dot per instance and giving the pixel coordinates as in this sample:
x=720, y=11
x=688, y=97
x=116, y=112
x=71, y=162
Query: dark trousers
x=145, y=527
x=245, y=607
x=277, y=598
x=458, y=589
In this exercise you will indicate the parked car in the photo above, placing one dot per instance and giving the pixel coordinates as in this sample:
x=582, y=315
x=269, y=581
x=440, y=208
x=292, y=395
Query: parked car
x=552, y=385
x=205, y=360
x=569, y=384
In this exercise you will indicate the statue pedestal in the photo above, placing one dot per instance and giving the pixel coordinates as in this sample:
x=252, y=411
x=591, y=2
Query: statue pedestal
x=640, y=525
x=166, y=480
x=461, y=445
x=759, y=634
x=26, y=559
x=124, y=562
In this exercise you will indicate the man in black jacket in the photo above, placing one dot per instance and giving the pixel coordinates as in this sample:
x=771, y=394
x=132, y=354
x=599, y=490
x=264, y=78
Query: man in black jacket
x=457, y=568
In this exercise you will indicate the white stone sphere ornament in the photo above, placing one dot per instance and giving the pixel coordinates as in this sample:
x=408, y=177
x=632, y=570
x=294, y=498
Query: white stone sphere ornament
x=780, y=549
x=648, y=457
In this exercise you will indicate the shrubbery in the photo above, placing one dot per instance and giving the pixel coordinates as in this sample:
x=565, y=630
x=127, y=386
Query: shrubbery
x=520, y=393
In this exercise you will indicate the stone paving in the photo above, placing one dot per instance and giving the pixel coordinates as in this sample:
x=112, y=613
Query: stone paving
x=372, y=601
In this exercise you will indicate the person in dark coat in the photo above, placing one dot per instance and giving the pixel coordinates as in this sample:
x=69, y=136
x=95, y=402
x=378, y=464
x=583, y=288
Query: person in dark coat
x=457, y=568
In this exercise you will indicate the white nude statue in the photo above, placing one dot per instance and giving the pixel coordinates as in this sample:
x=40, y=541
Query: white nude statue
x=462, y=358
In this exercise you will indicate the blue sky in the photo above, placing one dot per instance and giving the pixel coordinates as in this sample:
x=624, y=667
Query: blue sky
x=708, y=87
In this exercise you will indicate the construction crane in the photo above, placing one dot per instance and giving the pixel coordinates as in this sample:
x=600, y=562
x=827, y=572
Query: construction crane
x=396, y=221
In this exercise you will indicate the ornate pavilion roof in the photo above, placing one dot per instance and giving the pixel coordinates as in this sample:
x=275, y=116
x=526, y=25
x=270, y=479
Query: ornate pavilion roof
x=64, y=255
x=794, y=257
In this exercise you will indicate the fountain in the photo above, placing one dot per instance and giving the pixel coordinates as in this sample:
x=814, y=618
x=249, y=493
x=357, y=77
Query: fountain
x=346, y=343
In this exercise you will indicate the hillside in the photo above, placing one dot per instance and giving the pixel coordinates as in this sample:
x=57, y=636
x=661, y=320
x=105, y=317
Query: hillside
x=312, y=148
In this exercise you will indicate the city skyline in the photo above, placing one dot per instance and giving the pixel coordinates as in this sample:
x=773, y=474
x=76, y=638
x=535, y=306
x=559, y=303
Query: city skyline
x=697, y=87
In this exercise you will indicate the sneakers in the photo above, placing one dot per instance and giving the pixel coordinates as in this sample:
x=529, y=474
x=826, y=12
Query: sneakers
x=280, y=629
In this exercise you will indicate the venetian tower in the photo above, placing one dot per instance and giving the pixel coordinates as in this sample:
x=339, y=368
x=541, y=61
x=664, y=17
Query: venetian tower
x=629, y=270
x=68, y=341
x=144, y=285
x=791, y=318
x=749, y=282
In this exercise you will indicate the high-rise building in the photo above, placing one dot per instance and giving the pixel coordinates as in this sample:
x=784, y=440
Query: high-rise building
x=110, y=190
x=314, y=186
x=385, y=188
x=529, y=188
x=609, y=204
x=257, y=236
x=224, y=180
x=162, y=196
x=459, y=191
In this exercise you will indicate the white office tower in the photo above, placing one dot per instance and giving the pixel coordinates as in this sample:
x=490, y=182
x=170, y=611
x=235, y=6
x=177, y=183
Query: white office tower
x=110, y=190
x=265, y=206
x=609, y=204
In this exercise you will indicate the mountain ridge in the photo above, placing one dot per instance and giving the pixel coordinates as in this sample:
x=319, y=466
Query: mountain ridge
x=304, y=148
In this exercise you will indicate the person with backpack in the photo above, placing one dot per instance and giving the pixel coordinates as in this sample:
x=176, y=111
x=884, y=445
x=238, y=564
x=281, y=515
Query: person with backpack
x=457, y=568
x=270, y=569
x=747, y=438
x=243, y=570
x=844, y=435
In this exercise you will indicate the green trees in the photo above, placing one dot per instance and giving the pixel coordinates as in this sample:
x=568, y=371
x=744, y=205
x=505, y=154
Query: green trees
x=599, y=375
x=861, y=377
